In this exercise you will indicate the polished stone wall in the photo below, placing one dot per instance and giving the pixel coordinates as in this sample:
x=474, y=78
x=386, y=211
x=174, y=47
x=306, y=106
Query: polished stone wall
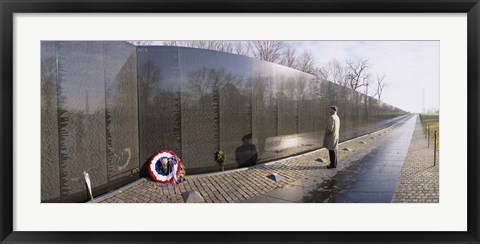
x=121, y=108
x=107, y=107
x=81, y=112
x=158, y=102
x=252, y=110
x=89, y=117
x=50, y=167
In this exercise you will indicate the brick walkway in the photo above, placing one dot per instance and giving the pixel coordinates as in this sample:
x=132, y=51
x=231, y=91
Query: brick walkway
x=242, y=184
x=419, y=181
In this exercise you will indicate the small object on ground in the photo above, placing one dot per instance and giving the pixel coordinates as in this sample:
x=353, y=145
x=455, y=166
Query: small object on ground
x=321, y=160
x=220, y=158
x=362, y=142
x=373, y=138
x=89, y=185
x=192, y=197
x=347, y=149
x=275, y=177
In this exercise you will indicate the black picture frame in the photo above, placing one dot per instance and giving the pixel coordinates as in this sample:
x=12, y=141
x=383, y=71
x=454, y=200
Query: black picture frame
x=9, y=7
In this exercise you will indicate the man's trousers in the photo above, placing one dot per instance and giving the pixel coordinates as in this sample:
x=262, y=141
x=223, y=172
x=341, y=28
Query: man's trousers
x=333, y=158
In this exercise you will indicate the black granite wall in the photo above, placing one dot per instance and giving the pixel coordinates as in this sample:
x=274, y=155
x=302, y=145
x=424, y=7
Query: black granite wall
x=50, y=167
x=107, y=107
x=158, y=102
x=89, y=118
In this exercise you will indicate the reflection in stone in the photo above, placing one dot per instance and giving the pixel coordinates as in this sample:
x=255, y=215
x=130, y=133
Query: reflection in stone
x=246, y=155
x=49, y=122
x=264, y=109
x=215, y=109
x=199, y=104
x=287, y=104
x=159, y=103
x=81, y=102
x=121, y=108
x=235, y=114
x=305, y=104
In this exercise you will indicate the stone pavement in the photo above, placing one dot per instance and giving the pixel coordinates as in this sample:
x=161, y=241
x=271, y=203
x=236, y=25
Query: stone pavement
x=243, y=185
x=369, y=179
x=419, y=180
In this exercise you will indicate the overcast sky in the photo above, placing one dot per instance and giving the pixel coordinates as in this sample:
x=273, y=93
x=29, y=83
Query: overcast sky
x=410, y=67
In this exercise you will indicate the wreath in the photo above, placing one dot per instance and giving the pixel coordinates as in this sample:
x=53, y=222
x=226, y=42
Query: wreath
x=165, y=167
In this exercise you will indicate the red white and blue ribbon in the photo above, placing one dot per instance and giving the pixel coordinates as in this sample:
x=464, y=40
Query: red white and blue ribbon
x=155, y=167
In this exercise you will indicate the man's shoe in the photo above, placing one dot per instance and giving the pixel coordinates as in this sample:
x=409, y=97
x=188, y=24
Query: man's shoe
x=331, y=167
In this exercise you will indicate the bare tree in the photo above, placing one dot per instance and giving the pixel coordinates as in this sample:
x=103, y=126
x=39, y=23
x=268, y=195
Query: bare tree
x=337, y=72
x=149, y=75
x=380, y=85
x=289, y=58
x=242, y=48
x=353, y=75
x=356, y=70
x=172, y=43
x=367, y=81
x=141, y=43
x=237, y=47
x=323, y=73
x=306, y=62
x=202, y=44
x=223, y=46
x=270, y=51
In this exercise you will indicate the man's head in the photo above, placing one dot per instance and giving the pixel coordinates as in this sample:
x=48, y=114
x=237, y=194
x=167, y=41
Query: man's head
x=333, y=110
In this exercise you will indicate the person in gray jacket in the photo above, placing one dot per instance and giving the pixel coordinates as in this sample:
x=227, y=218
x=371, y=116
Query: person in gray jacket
x=330, y=140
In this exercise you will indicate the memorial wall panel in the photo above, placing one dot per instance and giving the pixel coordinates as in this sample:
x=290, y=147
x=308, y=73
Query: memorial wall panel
x=50, y=167
x=347, y=104
x=319, y=111
x=81, y=103
x=199, y=108
x=264, y=110
x=235, y=109
x=121, y=109
x=158, y=102
x=286, y=81
x=305, y=103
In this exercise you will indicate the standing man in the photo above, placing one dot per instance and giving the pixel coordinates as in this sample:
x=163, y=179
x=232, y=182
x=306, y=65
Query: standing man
x=330, y=140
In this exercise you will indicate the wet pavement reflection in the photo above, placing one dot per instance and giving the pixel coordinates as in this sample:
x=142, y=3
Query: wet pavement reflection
x=371, y=179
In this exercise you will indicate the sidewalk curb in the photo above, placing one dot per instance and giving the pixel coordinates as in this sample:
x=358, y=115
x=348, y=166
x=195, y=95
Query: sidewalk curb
x=103, y=197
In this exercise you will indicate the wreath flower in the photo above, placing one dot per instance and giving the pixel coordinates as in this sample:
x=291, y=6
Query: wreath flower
x=165, y=167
